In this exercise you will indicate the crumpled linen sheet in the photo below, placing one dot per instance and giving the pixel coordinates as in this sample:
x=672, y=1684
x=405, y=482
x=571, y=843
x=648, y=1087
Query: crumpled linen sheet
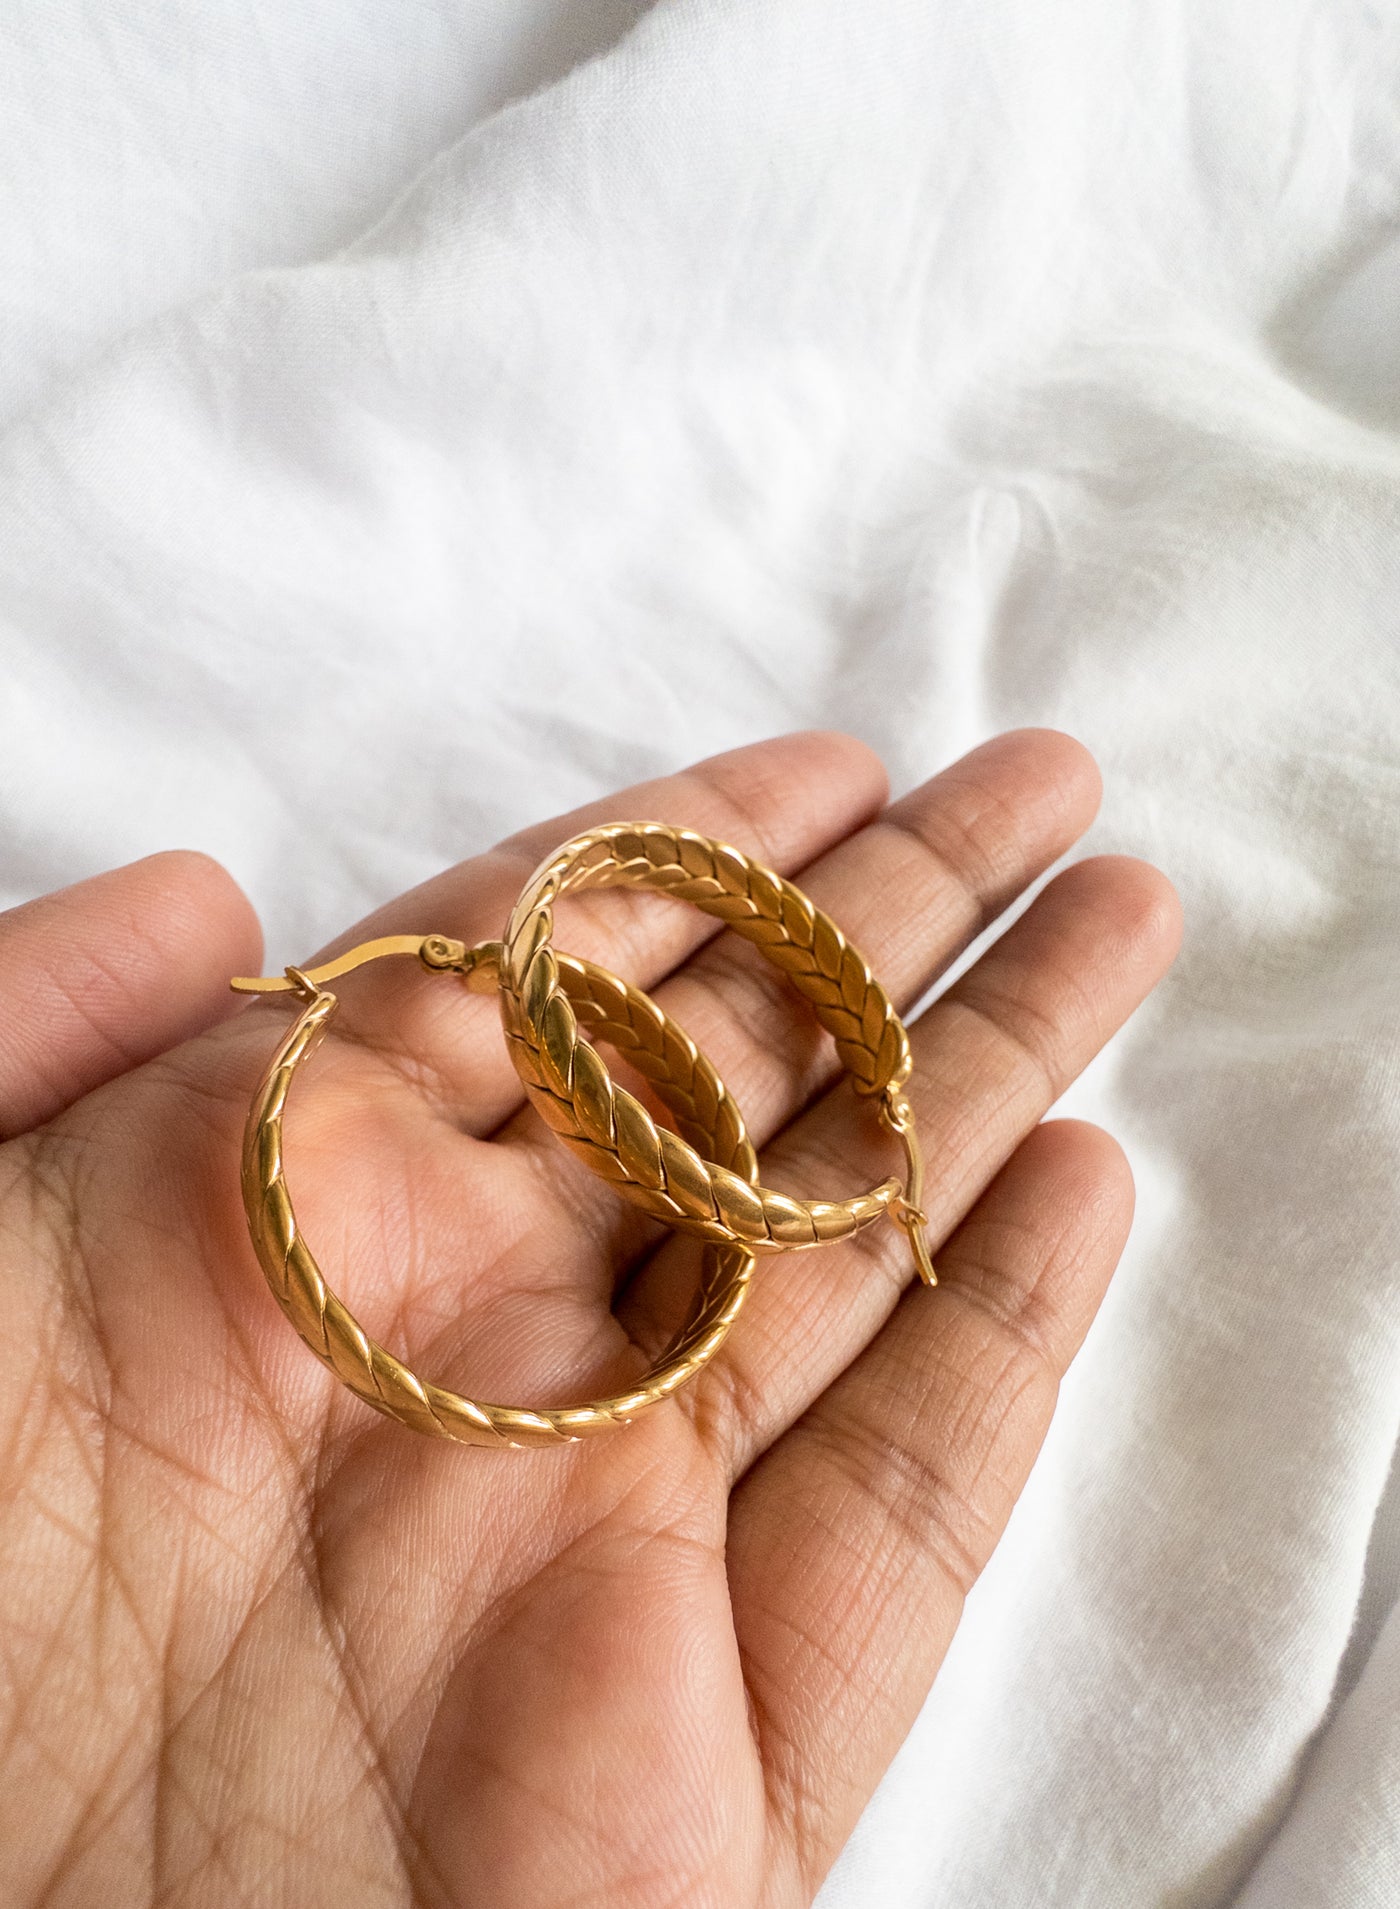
x=385, y=464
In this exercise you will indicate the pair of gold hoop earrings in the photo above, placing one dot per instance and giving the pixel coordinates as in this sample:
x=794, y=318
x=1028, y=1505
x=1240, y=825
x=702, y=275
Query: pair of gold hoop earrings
x=701, y=1179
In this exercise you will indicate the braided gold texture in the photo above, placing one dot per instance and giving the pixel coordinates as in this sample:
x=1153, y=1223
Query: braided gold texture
x=606, y=1126
x=611, y=1010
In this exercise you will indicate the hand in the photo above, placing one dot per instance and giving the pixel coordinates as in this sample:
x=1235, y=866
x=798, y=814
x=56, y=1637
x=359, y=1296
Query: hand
x=261, y=1646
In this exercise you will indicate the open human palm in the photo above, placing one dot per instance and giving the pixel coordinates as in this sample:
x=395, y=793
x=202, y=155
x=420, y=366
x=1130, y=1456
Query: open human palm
x=259, y=1645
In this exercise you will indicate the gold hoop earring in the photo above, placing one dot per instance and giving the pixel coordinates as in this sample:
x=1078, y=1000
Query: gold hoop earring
x=607, y=1127
x=701, y=1179
x=684, y=1080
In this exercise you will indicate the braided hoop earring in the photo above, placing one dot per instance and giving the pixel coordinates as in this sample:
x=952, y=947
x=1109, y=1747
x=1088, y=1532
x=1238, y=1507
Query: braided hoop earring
x=608, y=1128
x=612, y=1009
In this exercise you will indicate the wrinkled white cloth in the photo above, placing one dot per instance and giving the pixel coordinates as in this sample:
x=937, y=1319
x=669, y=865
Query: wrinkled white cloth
x=920, y=369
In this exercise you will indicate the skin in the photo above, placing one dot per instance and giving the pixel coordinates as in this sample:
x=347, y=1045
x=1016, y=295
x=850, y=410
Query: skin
x=258, y=1645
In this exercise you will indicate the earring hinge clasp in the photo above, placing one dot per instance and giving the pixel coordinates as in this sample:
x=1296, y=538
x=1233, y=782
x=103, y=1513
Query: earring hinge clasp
x=907, y=1210
x=439, y=953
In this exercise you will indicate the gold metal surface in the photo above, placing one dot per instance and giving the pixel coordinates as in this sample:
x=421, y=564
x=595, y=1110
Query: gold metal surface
x=434, y=951
x=653, y=1044
x=607, y=1127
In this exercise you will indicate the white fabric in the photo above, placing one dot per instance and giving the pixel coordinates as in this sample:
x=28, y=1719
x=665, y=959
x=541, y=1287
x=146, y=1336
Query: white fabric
x=918, y=369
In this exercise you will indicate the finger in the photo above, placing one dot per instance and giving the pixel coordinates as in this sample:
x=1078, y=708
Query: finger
x=853, y=1543
x=990, y=1057
x=911, y=889
x=783, y=801
x=108, y=973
